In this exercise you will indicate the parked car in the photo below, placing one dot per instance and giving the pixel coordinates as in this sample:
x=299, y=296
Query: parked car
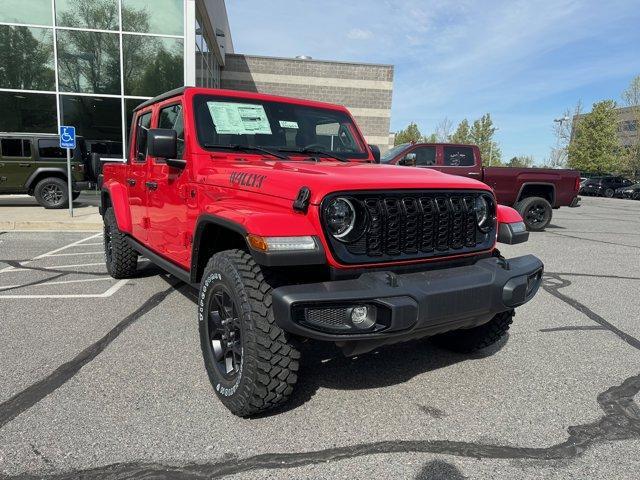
x=278, y=212
x=35, y=164
x=534, y=192
x=604, y=186
x=631, y=191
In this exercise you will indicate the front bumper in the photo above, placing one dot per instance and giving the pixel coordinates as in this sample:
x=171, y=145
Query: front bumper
x=408, y=305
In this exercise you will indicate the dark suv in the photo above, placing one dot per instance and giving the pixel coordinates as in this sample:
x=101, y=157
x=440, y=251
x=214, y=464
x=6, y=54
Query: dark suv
x=604, y=186
x=35, y=164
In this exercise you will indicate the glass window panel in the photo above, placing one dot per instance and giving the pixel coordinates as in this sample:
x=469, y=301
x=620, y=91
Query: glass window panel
x=26, y=58
x=11, y=147
x=458, y=156
x=35, y=12
x=88, y=62
x=98, y=14
x=28, y=112
x=153, y=16
x=98, y=120
x=171, y=118
x=50, y=148
x=144, y=123
x=152, y=65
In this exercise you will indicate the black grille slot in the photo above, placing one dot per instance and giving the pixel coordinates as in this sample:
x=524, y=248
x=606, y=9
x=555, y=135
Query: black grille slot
x=409, y=225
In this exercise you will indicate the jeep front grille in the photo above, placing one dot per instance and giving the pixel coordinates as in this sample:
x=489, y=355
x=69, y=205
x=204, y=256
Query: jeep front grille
x=409, y=225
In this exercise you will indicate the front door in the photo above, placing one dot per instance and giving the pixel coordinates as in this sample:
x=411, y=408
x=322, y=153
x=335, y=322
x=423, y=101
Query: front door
x=16, y=164
x=170, y=195
x=136, y=187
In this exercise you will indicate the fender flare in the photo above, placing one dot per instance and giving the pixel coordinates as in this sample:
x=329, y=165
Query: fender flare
x=41, y=170
x=201, y=224
x=117, y=195
x=539, y=184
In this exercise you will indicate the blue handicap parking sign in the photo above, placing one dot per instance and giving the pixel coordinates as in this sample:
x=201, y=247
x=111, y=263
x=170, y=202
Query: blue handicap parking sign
x=67, y=137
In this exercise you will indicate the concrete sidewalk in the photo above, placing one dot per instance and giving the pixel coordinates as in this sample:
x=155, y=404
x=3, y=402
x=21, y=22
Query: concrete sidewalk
x=22, y=212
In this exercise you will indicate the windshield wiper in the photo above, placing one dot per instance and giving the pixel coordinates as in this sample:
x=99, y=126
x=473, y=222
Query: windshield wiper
x=316, y=151
x=247, y=148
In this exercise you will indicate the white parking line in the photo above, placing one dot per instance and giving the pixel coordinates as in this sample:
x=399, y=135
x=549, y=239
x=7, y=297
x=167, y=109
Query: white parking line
x=62, y=282
x=106, y=294
x=101, y=252
x=55, y=267
x=89, y=244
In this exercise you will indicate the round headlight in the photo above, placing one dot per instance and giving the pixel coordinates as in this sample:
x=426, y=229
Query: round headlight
x=340, y=216
x=484, y=213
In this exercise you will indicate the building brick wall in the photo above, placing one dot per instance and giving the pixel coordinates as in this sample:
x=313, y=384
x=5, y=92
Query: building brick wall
x=365, y=89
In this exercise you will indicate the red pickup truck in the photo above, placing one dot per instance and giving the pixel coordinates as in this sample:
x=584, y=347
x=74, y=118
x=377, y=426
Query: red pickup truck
x=280, y=214
x=534, y=192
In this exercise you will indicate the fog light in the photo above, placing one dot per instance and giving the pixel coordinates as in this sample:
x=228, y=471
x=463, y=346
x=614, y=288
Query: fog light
x=363, y=317
x=359, y=315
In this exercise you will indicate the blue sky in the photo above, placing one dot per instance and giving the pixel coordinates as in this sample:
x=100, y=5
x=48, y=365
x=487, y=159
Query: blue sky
x=525, y=62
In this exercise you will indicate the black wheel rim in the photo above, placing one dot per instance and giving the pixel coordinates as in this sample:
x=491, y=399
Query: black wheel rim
x=224, y=333
x=536, y=214
x=52, y=194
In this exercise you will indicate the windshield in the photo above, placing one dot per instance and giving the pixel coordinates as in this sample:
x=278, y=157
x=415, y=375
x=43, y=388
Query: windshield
x=277, y=126
x=387, y=157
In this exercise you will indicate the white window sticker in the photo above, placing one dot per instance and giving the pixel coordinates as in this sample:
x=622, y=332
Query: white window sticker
x=231, y=118
x=288, y=124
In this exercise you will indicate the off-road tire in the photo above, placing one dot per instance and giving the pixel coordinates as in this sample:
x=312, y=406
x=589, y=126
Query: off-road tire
x=52, y=193
x=269, y=360
x=473, y=339
x=524, y=208
x=120, y=257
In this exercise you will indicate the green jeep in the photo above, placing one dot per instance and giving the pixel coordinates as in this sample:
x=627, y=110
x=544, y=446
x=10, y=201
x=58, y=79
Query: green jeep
x=33, y=163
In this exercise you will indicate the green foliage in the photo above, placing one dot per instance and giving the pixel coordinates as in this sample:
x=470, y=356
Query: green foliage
x=595, y=147
x=524, y=161
x=408, y=135
x=482, y=133
x=26, y=62
x=462, y=133
x=433, y=138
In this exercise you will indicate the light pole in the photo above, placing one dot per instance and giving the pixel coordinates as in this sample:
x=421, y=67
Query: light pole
x=493, y=130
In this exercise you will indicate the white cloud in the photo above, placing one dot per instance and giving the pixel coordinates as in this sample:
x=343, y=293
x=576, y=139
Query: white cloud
x=359, y=34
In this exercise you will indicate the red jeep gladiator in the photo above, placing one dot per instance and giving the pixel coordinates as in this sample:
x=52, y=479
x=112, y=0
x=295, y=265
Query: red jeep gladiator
x=534, y=192
x=279, y=212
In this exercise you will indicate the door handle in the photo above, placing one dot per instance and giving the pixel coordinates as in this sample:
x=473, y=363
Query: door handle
x=24, y=164
x=151, y=185
x=131, y=181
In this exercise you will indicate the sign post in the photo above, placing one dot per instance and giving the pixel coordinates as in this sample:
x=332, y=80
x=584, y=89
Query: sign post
x=68, y=141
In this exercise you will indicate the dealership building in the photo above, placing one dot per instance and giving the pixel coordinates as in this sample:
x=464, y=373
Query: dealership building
x=89, y=63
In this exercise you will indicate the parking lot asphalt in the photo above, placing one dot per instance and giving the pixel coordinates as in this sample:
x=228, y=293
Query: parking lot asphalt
x=102, y=378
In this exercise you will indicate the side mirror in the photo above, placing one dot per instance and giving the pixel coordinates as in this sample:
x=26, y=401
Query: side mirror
x=375, y=151
x=163, y=143
x=409, y=160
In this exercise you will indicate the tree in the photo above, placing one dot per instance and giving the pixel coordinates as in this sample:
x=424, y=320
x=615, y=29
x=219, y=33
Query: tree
x=562, y=130
x=631, y=154
x=462, y=133
x=482, y=133
x=520, y=161
x=443, y=130
x=594, y=147
x=433, y=138
x=408, y=135
x=27, y=61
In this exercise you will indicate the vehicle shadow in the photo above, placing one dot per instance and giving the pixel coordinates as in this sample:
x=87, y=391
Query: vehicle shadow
x=324, y=366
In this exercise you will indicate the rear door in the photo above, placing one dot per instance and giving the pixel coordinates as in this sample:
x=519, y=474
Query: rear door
x=460, y=160
x=137, y=176
x=169, y=195
x=16, y=163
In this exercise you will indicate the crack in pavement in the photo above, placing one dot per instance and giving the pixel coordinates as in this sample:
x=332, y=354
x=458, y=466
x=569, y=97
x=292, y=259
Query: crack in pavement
x=621, y=421
x=31, y=395
x=575, y=327
x=594, y=275
x=594, y=240
x=552, y=284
